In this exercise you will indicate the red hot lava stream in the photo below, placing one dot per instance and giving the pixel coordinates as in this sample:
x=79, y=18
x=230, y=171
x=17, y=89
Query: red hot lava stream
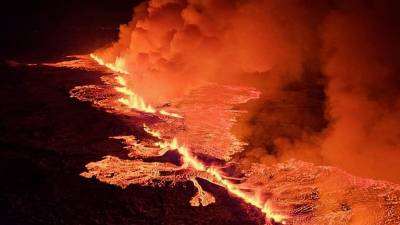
x=134, y=101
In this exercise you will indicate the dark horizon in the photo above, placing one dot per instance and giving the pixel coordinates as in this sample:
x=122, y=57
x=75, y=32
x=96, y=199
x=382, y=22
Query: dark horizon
x=35, y=30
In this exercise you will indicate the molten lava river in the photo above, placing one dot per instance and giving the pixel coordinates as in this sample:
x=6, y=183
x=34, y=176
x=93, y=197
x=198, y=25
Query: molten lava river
x=189, y=140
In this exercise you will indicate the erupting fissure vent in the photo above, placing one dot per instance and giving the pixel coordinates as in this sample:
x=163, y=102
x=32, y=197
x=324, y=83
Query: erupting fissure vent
x=190, y=161
x=131, y=99
x=178, y=150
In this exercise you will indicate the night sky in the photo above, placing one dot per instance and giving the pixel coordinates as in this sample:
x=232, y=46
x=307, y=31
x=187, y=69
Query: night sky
x=45, y=29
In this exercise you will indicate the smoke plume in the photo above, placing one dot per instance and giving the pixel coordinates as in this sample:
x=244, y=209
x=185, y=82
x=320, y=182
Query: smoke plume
x=172, y=46
x=328, y=71
x=361, y=54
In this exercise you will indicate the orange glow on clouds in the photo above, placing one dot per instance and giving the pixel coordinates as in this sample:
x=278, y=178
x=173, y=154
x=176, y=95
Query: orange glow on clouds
x=133, y=101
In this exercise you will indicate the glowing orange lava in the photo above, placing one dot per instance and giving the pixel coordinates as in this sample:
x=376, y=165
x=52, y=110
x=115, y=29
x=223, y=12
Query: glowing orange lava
x=218, y=178
x=163, y=112
x=117, y=66
x=134, y=101
x=153, y=133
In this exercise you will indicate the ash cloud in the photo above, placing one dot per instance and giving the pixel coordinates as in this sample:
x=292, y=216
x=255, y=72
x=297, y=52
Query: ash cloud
x=328, y=70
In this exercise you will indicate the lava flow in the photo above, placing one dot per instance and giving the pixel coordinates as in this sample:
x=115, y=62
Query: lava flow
x=215, y=175
x=218, y=178
x=132, y=100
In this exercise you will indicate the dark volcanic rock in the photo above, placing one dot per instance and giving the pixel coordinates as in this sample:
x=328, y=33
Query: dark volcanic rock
x=47, y=138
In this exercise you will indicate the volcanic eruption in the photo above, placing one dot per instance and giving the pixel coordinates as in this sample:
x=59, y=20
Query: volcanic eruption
x=260, y=111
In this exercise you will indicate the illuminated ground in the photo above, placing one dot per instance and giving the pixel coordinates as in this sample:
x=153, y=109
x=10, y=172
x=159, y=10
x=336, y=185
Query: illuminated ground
x=49, y=138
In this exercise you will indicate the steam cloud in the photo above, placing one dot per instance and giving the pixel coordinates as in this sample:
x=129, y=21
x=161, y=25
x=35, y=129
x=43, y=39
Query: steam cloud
x=329, y=72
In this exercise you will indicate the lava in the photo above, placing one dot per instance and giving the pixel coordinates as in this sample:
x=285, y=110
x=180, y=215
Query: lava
x=153, y=133
x=163, y=112
x=117, y=66
x=218, y=178
x=300, y=193
x=133, y=101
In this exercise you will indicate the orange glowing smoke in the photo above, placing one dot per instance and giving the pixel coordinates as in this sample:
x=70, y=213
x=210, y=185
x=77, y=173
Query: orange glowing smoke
x=134, y=101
